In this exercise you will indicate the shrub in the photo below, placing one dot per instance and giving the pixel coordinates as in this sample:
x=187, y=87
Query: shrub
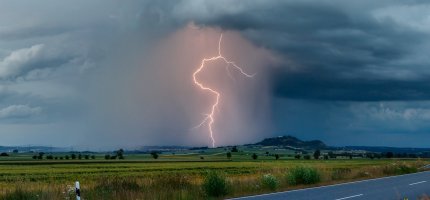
x=269, y=181
x=215, y=184
x=303, y=175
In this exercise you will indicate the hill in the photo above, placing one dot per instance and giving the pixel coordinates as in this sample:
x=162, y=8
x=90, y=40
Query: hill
x=292, y=142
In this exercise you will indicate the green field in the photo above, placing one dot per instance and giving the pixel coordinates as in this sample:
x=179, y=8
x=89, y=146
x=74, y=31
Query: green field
x=176, y=176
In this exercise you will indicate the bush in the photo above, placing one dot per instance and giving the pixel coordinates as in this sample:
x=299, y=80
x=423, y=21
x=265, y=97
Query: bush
x=303, y=175
x=269, y=181
x=215, y=184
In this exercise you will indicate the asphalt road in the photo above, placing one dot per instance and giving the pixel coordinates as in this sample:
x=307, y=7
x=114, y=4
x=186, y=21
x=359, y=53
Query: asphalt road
x=410, y=186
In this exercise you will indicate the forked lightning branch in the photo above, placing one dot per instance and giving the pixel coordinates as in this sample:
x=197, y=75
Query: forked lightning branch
x=210, y=118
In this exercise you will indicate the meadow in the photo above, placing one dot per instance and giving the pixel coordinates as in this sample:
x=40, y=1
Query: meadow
x=183, y=176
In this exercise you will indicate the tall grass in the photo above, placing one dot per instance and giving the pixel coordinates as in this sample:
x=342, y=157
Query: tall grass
x=187, y=181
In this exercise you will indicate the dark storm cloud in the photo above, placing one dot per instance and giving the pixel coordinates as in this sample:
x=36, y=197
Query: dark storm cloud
x=325, y=87
x=340, y=51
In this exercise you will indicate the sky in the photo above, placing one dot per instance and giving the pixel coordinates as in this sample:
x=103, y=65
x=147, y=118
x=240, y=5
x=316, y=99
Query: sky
x=106, y=74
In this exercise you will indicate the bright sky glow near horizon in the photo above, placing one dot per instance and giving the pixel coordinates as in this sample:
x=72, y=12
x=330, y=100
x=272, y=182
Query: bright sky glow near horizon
x=106, y=74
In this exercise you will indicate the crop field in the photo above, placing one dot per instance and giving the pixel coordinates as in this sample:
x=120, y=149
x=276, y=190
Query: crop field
x=181, y=176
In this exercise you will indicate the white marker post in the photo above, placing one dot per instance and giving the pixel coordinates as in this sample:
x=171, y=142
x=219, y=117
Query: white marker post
x=78, y=191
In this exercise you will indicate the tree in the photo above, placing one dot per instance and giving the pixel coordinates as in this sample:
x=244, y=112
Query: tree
x=277, y=156
x=4, y=154
x=93, y=157
x=254, y=156
x=73, y=156
x=307, y=157
x=15, y=151
x=107, y=156
x=86, y=157
x=120, y=152
x=297, y=156
x=79, y=156
x=331, y=154
x=67, y=157
x=49, y=157
x=113, y=157
x=389, y=154
x=325, y=157
x=34, y=157
x=317, y=154
x=234, y=149
x=229, y=155
x=154, y=155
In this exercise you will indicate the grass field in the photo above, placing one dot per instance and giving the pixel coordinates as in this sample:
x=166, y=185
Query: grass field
x=177, y=176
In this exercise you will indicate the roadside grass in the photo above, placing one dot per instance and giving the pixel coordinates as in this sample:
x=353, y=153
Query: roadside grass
x=185, y=180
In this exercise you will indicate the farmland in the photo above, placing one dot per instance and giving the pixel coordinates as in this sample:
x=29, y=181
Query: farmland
x=178, y=175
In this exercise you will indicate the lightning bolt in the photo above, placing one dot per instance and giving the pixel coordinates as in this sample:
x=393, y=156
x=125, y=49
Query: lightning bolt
x=209, y=119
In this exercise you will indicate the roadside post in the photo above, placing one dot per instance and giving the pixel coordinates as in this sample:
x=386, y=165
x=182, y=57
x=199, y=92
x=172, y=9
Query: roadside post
x=78, y=191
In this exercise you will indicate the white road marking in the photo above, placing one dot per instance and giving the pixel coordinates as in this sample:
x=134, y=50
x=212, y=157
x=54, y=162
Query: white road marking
x=350, y=197
x=417, y=182
x=326, y=186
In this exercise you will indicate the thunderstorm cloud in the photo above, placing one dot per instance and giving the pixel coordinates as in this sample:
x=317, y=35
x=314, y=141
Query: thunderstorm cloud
x=107, y=73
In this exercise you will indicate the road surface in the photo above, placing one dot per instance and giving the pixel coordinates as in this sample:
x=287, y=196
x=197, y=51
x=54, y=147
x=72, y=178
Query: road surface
x=409, y=186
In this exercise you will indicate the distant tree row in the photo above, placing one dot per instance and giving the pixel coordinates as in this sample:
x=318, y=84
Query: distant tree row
x=72, y=156
x=119, y=154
